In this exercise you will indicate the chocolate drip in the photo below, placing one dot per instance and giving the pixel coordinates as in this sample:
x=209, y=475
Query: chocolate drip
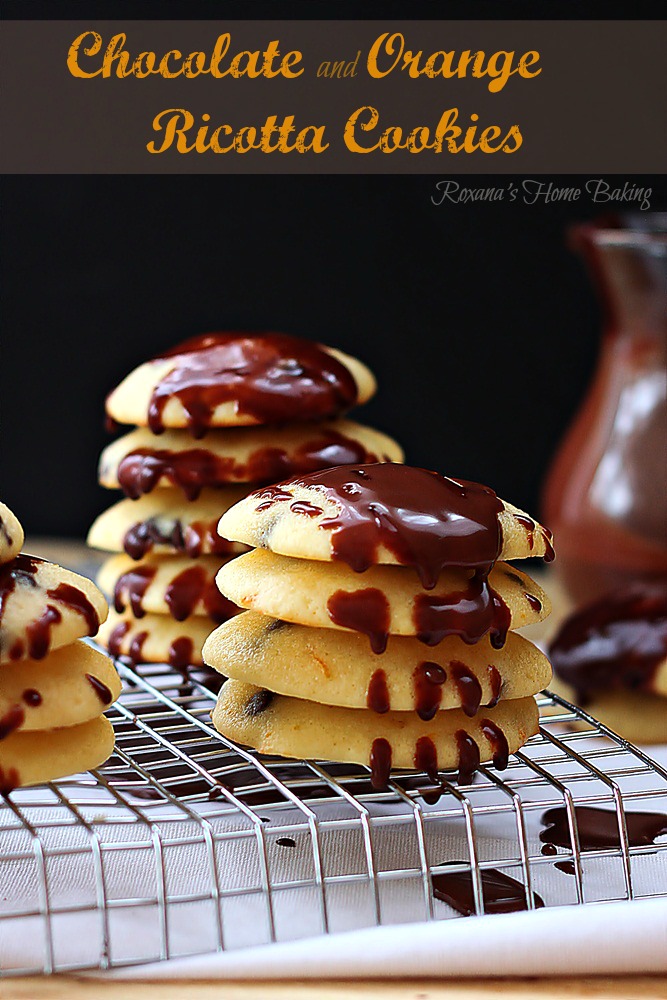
x=426, y=757
x=501, y=893
x=259, y=703
x=425, y=520
x=548, y=537
x=380, y=764
x=181, y=653
x=76, y=600
x=428, y=679
x=468, y=756
x=615, y=643
x=192, y=587
x=286, y=842
x=530, y=526
x=11, y=720
x=100, y=689
x=4, y=532
x=496, y=684
x=9, y=780
x=535, y=602
x=365, y=611
x=273, y=378
x=470, y=614
x=193, y=539
x=132, y=586
x=598, y=829
x=18, y=571
x=115, y=641
x=377, y=697
x=193, y=469
x=39, y=634
x=136, y=647
x=32, y=698
x=468, y=687
x=499, y=746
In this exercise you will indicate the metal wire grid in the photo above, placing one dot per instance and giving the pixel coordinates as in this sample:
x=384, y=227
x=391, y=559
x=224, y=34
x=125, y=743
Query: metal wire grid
x=184, y=843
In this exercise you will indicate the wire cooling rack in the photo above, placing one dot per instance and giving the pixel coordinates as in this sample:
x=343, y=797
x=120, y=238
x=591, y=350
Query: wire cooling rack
x=184, y=843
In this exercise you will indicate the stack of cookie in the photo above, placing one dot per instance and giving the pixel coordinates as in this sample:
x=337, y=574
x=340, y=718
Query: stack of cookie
x=219, y=410
x=54, y=688
x=381, y=623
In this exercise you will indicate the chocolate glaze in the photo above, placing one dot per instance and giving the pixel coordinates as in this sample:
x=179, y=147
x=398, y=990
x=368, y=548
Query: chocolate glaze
x=39, y=634
x=193, y=538
x=468, y=687
x=100, y=689
x=535, y=602
x=425, y=520
x=468, y=756
x=116, y=638
x=471, y=614
x=181, y=653
x=136, y=647
x=304, y=507
x=428, y=679
x=547, y=537
x=9, y=780
x=193, y=469
x=11, y=720
x=365, y=611
x=272, y=377
x=377, y=696
x=598, y=829
x=426, y=757
x=194, y=586
x=76, y=600
x=259, y=703
x=498, y=741
x=32, y=697
x=614, y=643
x=380, y=764
x=131, y=587
x=496, y=683
x=502, y=893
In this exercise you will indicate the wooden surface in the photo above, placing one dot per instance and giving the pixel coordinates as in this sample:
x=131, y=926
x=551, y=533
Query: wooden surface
x=74, y=556
x=68, y=988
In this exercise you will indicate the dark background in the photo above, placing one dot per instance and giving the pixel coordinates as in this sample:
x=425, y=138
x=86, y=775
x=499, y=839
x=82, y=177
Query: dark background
x=480, y=323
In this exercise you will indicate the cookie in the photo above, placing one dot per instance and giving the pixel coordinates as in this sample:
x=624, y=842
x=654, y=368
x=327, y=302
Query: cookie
x=385, y=600
x=11, y=534
x=140, y=461
x=155, y=638
x=636, y=716
x=166, y=585
x=239, y=379
x=338, y=668
x=33, y=758
x=275, y=724
x=70, y=686
x=384, y=514
x=165, y=523
x=43, y=607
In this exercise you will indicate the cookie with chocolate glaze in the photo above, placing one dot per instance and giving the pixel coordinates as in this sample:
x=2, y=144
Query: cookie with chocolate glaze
x=70, y=686
x=11, y=534
x=32, y=758
x=43, y=607
x=155, y=638
x=240, y=379
x=385, y=600
x=385, y=514
x=339, y=668
x=140, y=461
x=166, y=585
x=275, y=724
x=164, y=522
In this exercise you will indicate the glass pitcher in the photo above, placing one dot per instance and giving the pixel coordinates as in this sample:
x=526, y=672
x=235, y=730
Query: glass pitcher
x=605, y=497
